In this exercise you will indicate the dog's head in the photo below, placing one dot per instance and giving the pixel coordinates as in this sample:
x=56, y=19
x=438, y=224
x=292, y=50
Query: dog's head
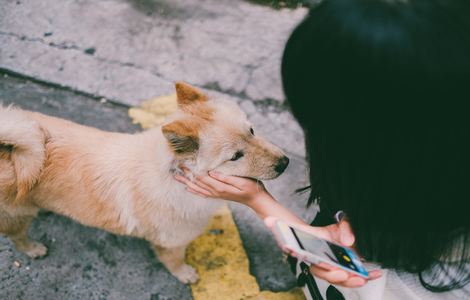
x=215, y=134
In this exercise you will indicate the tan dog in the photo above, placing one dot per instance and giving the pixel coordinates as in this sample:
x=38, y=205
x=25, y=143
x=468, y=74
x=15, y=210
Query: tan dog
x=124, y=183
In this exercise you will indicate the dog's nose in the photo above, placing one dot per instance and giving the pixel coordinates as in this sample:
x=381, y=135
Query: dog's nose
x=282, y=164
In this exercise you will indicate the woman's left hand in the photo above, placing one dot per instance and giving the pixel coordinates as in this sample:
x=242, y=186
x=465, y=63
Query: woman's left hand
x=220, y=186
x=339, y=233
x=249, y=192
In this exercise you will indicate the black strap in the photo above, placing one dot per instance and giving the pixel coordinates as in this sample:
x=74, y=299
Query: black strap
x=307, y=279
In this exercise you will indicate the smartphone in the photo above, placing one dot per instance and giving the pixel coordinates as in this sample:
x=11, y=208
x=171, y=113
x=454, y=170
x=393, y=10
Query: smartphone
x=314, y=250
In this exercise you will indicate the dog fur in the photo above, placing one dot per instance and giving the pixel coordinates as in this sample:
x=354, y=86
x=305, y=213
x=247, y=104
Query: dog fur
x=123, y=183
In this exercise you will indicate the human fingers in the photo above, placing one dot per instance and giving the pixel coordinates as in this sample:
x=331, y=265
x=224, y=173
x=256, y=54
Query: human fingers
x=188, y=182
x=375, y=274
x=332, y=276
x=193, y=186
x=200, y=182
x=216, y=185
x=346, y=235
x=196, y=180
x=235, y=181
x=338, y=277
x=196, y=192
x=353, y=282
x=181, y=179
x=289, y=251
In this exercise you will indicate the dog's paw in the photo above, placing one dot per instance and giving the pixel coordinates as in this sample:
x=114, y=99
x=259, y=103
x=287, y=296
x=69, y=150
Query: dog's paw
x=186, y=274
x=35, y=250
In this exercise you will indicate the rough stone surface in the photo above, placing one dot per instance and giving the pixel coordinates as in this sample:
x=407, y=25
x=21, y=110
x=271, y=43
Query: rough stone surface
x=129, y=50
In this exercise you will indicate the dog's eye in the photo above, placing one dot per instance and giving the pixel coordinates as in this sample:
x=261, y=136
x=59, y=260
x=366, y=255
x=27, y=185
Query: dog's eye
x=237, y=156
x=252, y=131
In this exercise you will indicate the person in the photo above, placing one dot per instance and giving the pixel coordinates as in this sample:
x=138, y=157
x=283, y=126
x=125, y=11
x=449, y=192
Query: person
x=380, y=89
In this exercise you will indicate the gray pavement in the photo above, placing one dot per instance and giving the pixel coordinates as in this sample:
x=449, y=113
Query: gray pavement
x=131, y=49
x=69, y=54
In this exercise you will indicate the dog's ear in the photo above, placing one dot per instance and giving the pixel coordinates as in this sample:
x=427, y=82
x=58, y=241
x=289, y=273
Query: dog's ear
x=182, y=136
x=187, y=94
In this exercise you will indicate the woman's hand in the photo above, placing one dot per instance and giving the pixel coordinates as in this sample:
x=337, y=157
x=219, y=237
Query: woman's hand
x=249, y=192
x=339, y=233
x=233, y=188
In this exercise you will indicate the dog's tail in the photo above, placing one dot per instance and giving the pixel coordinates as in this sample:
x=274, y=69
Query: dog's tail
x=25, y=140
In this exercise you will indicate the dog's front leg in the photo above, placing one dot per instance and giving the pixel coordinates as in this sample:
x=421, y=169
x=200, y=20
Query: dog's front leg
x=16, y=228
x=173, y=259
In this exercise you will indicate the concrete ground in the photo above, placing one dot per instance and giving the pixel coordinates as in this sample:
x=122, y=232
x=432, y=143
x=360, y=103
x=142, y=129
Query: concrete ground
x=64, y=58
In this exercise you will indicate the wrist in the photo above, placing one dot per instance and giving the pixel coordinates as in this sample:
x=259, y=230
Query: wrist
x=260, y=202
x=264, y=205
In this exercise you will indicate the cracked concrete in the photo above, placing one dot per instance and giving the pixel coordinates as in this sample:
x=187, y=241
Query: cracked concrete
x=232, y=43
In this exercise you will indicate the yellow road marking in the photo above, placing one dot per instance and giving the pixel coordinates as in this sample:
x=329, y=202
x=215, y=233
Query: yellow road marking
x=218, y=254
x=223, y=266
x=154, y=111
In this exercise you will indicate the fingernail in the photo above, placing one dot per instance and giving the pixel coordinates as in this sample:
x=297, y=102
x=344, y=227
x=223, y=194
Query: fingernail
x=214, y=173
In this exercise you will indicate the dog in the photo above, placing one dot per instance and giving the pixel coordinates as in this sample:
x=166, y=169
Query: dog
x=123, y=183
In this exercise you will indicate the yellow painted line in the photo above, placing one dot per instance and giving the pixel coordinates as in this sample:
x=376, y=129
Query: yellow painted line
x=154, y=111
x=218, y=254
x=223, y=266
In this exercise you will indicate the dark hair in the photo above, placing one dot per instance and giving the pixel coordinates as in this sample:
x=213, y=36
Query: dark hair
x=381, y=90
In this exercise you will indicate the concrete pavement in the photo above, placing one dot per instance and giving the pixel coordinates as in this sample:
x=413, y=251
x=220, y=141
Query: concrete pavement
x=131, y=50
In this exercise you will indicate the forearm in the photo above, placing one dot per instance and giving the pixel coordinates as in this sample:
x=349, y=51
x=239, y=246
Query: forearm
x=266, y=206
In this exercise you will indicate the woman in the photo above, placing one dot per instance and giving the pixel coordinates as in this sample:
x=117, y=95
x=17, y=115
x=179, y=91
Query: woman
x=379, y=88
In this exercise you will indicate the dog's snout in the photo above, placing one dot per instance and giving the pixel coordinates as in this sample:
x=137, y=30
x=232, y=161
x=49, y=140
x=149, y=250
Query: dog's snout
x=282, y=164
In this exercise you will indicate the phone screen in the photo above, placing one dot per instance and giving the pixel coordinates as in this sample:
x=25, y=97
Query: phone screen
x=331, y=252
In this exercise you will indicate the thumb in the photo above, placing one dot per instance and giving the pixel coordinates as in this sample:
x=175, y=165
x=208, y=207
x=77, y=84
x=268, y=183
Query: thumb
x=346, y=236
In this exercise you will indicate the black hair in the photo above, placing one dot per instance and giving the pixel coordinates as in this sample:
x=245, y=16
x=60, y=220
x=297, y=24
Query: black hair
x=381, y=90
